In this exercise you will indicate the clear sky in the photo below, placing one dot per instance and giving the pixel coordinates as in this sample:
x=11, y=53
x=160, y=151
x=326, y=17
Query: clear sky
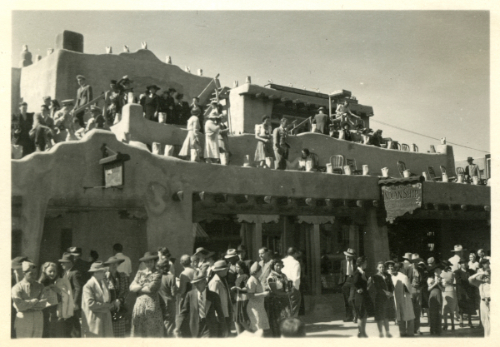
x=425, y=71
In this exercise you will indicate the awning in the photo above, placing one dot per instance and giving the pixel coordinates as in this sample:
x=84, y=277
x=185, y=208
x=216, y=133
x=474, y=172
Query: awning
x=198, y=232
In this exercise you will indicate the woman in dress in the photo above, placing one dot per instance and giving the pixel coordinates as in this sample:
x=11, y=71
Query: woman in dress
x=211, y=152
x=242, y=319
x=118, y=285
x=264, y=151
x=384, y=302
x=279, y=300
x=473, y=263
x=256, y=294
x=193, y=138
x=96, y=304
x=466, y=293
x=151, y=103
x=362, y=302
x=147, y=318
x=435, y=299
x=449, y=296
x=225, y=153
x=53, y=325
x=114, y=102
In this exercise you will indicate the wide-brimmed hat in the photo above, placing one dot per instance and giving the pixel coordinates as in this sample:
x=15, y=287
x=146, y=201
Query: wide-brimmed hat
x=458, y=248
x=68, y=102
x=231, y=253
x=74, y=250
x=149, y=256
x=153, y=86
x=27, y=265
x=80, y=77
x=97, y=266
x=66, y=258
x=17, y=262
x=113, y=260
x=46, y=98
x=470, y=158
x=417, y=260
x=220, y=265
x=201, y=251
x=350, y=252
x=407, y=256
x=198, y=276
x=389, y=262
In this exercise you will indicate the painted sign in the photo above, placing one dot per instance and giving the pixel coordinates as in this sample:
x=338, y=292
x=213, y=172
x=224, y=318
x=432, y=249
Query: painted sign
x=401, y=198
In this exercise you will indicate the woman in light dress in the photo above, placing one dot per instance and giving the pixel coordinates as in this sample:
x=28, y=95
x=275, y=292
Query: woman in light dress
x=256, y=294
x=211, y=152
x=450, y=305
x=193, y=138
x=264, y=152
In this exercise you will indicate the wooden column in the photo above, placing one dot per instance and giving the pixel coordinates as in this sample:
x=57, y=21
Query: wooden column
x=316, y=260
x=256, y=240
x=354, y=237
x=254, y=227
x=376, y=240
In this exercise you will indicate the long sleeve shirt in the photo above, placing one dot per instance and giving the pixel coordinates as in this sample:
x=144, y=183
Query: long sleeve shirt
x=292, y=270
x=26, y=296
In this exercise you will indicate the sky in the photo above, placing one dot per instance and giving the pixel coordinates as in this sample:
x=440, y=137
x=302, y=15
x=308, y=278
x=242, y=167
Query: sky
x=424, y=71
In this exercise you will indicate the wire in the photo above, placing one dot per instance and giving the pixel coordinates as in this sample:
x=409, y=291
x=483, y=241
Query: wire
x=430, y=137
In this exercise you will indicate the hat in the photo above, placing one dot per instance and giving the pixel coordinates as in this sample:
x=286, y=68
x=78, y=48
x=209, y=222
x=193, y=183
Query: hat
x=470, y=158
x=17, y=262
x=66, y=258
x=201, y=251
x=23, y=103
x=195, y=111
x=350, y=252
x=75, y=250
x=431, y=260
x=27, y=265
x=231, y=253
x=149, y=256
x=198, y=276
x=97, y=266
x=113, y=260
x=417, y=260
x=220, y=265
x=407, y=256
x=126, y=79
x=46, y=98
x=80, y=77
x=153, y=86
x=321, y=108
x=414, y=256
x=458, y=248
x=388, y=262
x=95, y=108
x=67, y=102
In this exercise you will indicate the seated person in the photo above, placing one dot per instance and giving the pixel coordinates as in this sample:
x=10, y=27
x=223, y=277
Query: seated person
x=97, y=121
x=334, y=130
x=79, y=130
x=306, y=159
x=43, y=134
x=345, y=133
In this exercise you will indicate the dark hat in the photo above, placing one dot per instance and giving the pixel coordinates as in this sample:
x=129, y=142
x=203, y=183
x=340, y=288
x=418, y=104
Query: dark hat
x=23, y=103
x=149, y=256
x=198, y=276
x=46, y=98
x=112, y=82
x=417, y=260
x=446, y=263
x=470, y=158
x=17, y=262
x=388, y=262
x=75, y=250
x=220, y=265
x=80, y=77
x=350, y=252
x=112, y=260
x=407, y=256
x=201, y=251
x=153, y=86
x=66, y=258
x=195, y=111
x=97, y=266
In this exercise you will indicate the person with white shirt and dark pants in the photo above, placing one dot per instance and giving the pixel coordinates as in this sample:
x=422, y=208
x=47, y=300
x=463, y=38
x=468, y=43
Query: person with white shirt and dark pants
x=292, y=271
x=347, y=267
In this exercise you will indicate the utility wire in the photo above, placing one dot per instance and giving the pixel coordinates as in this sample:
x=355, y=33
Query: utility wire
x=430, y=137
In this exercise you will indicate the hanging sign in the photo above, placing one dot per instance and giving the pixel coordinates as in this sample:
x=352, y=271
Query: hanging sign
x=401, y=198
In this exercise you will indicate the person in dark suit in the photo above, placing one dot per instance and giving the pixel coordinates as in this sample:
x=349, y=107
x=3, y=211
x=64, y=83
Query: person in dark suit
x=347, y=267
x=21, y=126
x=196, y=317
x=322, y=121
x=77, y=281
x=362, y=301
x=83, y=96
x=79, y=263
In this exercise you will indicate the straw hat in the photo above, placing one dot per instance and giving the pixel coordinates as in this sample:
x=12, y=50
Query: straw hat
x=149, y=256
x=97, y=266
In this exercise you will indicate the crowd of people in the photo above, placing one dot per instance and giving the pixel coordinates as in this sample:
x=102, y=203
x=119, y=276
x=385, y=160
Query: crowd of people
x=404, y=291
x=209, y=298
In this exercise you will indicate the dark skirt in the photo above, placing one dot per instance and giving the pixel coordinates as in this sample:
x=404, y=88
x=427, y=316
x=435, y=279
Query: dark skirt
x=363, y=305
x=435, y=307
x=241, y=314
x=384, y=308
x=279, y=308
x=52, y=325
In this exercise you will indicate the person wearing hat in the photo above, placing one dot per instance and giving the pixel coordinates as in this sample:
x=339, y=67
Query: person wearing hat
x=402, y=297
x=147, y=320
x=193, y=137
x=168, y=296
x=322, y=121
x=151, y=103
x=459, y=255
x=77, y=280
x=471, y=170
x=205, y=260
x=21, y=125
x=97, y=304
x=28, y=302
x=114, y=101
x=482, y=280
x=347, y=267
x=218, y=284
x=83, y=96
x=407, y=268
x=181, y=111
x=118, y=286
x=97, y=120
x=211, y=151
x=43, y=130
x=197, y=315
x=79, y=263
x=466, y=292
x=345, y=132
x=435, y=289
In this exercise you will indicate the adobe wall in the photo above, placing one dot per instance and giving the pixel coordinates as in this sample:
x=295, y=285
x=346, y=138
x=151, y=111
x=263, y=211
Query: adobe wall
x=15, y=87
x=55, y=75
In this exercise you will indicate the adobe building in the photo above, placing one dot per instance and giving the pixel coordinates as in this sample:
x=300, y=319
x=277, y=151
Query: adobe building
x=108, y=187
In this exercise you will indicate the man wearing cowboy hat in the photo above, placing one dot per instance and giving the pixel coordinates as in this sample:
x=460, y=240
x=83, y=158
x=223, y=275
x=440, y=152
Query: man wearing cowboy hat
x=219, y=285
x=83, y=96
x=77, y=280
x=455, y=260
x=345, y=279
x=197, y=315
x=28, y=301
x=322, y=121
x=471, y=170
x=151, y=103
x=231, y=259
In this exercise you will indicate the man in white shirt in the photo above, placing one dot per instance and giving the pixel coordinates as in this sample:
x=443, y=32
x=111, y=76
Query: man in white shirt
x=455, y=260
x=482, y=280
x=292, y=271
x=126, y=266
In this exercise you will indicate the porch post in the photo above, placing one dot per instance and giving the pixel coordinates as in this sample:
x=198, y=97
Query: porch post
x=376, y=240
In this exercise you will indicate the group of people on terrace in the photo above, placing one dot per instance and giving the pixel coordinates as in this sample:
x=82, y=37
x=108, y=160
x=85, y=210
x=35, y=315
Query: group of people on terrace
x=406, y=291
x=211, y=296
